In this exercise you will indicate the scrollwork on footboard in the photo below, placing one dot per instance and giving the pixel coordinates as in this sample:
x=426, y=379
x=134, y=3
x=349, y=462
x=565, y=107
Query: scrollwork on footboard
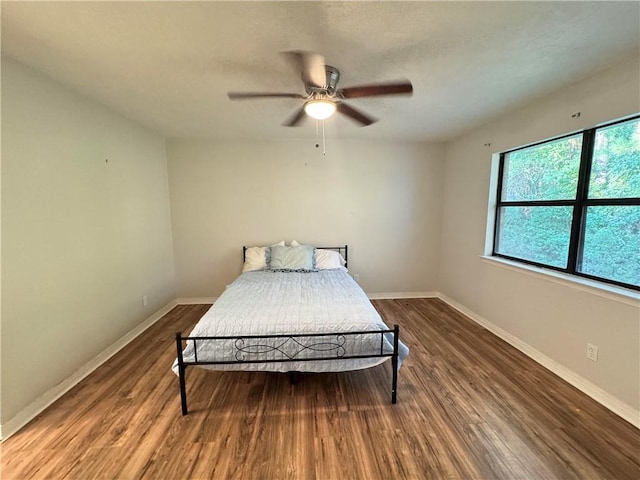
x=242, y=349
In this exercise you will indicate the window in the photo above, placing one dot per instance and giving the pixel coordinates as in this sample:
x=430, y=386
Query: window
x=573, y=204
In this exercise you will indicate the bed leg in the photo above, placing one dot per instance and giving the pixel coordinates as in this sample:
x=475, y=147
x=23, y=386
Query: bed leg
x=394, y=363
x=183, y=391
x=181, y=374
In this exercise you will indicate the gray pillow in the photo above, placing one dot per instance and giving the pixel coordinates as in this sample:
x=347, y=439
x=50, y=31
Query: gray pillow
x=298, y=259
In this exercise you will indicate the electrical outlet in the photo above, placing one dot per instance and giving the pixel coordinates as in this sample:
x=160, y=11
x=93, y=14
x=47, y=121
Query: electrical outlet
x=356, y=277
x=592, y=352
x=145, y=301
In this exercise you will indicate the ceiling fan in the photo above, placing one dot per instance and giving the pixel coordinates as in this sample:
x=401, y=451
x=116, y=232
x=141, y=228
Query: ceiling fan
x=322, y=97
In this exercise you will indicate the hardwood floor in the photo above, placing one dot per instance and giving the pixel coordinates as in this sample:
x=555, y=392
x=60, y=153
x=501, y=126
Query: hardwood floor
x=469, y=407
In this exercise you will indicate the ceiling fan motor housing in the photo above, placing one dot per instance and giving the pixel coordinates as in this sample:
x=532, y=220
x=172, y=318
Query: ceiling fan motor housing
x=333, y=75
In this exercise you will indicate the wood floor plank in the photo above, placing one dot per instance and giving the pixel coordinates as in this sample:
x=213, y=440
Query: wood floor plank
x=469, y=407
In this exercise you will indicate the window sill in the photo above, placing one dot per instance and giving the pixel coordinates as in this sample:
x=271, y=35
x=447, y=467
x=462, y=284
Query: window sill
x=612, y=292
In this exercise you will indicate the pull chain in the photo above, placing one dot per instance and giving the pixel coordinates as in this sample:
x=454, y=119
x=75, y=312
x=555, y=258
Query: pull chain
x=324, y=145
x=324, y=142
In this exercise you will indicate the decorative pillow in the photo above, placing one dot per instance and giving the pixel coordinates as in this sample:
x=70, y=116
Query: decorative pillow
x=257, y=258
x=329, y=259
x=300, y=258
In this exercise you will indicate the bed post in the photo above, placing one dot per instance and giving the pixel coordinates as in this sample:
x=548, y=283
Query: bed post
x=394, y=363
x=181, y=374
x=346, y=255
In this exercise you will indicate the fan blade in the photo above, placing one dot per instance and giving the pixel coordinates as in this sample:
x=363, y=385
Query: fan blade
x=296, y=118
x=311, y=65
x=354, y=114
x=376, y=90
x=248, y=95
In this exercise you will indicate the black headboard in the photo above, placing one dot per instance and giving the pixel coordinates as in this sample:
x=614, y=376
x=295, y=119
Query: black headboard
x=344, y=251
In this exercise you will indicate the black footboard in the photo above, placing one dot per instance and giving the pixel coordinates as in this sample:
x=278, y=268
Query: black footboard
x=289, y=348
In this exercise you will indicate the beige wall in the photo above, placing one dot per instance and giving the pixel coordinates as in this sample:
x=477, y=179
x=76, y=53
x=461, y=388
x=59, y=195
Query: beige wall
x=82, y=239
x=381, y=198
x=557, y=319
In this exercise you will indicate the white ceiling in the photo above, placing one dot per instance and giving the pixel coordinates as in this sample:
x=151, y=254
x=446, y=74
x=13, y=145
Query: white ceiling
x=168, y=65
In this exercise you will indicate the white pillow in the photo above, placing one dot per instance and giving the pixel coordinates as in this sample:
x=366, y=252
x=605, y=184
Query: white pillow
x=256, y=258
x=329, y=259
x=294, y=243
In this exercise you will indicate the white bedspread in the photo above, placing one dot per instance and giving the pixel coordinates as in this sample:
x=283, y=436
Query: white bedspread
x=265, y=303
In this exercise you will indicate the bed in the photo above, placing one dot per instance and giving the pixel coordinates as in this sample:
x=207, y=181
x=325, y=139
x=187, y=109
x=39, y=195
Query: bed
x=293, y=309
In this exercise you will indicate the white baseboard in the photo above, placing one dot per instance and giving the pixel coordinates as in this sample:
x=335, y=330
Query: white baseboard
x=32, y=410
x=394, y=295
x=607, y=400
x=196, y=300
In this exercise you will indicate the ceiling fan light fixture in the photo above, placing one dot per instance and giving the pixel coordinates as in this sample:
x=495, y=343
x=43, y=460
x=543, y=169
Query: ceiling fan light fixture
x=320, y=109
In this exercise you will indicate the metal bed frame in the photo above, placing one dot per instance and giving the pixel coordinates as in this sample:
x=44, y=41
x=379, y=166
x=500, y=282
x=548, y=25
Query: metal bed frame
x=249, y=348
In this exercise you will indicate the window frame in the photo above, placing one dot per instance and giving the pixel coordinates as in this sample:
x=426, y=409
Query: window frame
x=580, y=204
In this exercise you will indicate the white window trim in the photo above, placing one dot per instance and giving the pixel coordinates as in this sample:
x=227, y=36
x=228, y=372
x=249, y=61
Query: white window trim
x=601, y=289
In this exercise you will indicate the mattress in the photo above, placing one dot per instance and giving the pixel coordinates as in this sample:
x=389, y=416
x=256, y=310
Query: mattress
x=286, y=303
